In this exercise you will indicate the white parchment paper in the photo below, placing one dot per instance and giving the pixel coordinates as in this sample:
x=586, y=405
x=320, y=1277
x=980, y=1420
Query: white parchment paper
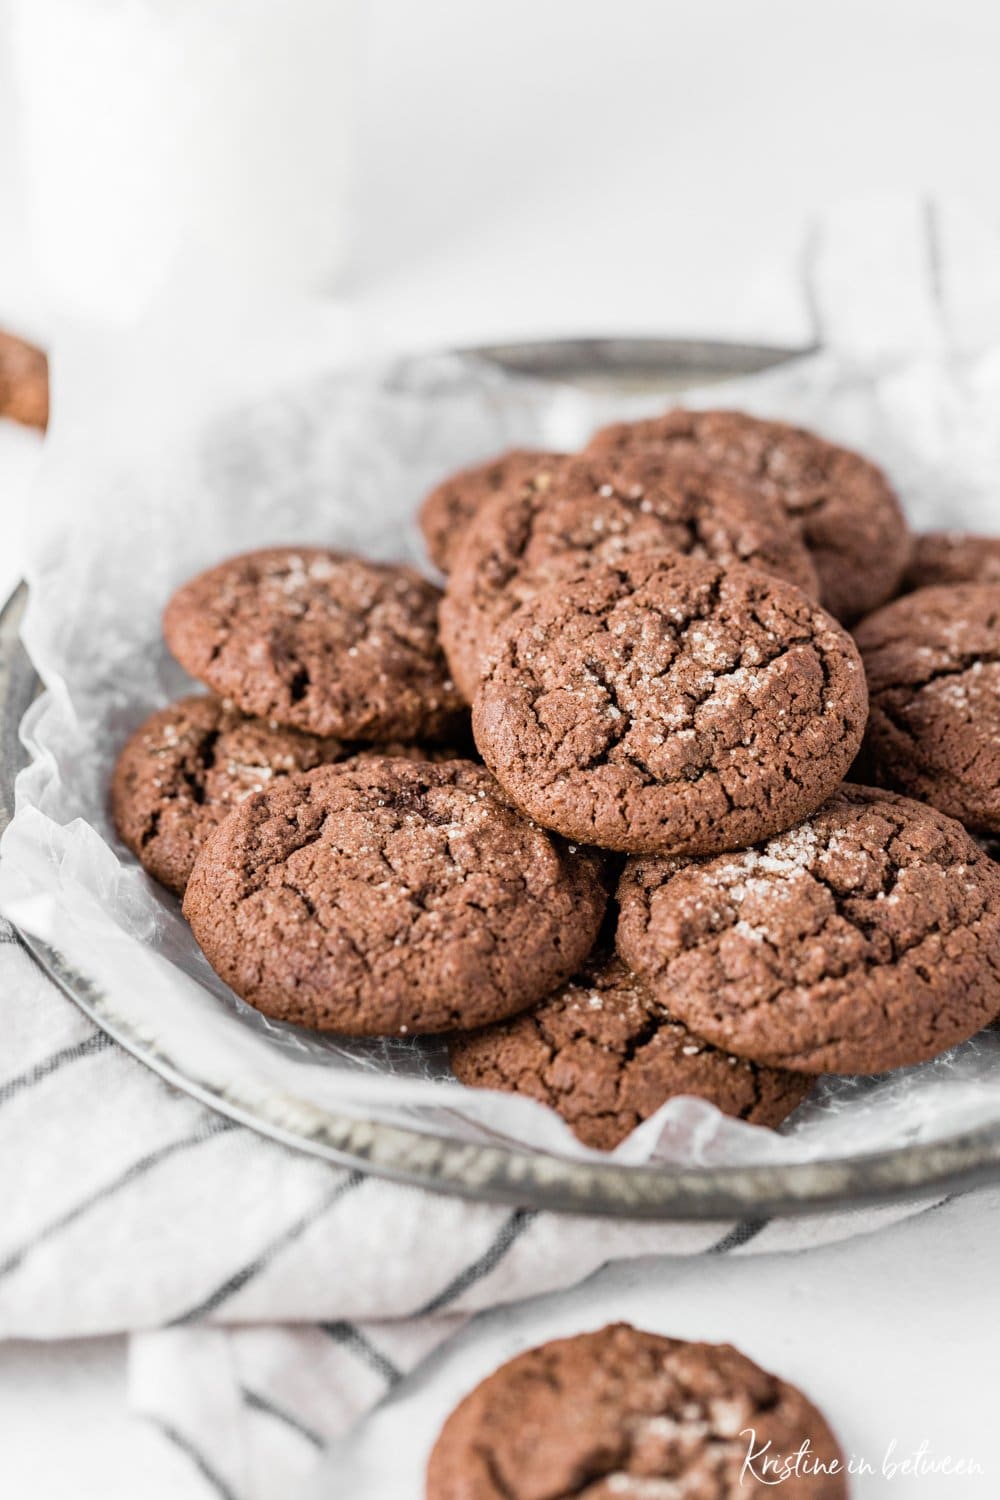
x=180, y=464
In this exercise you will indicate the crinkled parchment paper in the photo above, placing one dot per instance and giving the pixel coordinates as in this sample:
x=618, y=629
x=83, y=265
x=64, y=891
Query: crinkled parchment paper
x=179, y=469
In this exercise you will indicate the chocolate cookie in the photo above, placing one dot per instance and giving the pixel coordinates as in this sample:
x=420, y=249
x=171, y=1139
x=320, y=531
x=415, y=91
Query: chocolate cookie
x=865, y=939
x=933, y=665
x=187, y=767
x=952, y=557
x=851, y=519
x=596, y=511
x=670, y=706
x=620, y=1414
x=449, y=508
x=320, y=641
x=605, y=1055
x=189, y=764
x=24, y=382
x=388, y=896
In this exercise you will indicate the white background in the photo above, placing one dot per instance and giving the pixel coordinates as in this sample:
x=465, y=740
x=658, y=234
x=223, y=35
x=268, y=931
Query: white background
x=547, y=166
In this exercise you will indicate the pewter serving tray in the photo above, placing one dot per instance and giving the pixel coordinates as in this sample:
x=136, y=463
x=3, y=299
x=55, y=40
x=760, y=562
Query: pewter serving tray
x=497, y=1172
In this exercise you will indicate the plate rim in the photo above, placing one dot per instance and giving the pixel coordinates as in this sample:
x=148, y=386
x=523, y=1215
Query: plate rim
x=499, y=1173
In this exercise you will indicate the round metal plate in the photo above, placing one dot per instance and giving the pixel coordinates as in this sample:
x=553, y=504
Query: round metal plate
x=499, y=1173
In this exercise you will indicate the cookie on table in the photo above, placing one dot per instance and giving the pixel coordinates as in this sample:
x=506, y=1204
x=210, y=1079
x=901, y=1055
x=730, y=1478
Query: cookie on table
x=320, y=641
x=24, y=382
x=932, y=661
x=622, y=1414
x=952, y=557
x=605, y=1055
x=597, y=511
x=850, y=516
x=865, y=939
x=451, y=505
x=670, y=706
x=391, y=896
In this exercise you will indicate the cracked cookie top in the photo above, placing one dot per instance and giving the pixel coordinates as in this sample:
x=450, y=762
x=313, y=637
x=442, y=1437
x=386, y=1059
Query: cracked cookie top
x=450, y=507
x=865, y=939
x=952, y=557
x=187, y=766
x=670, y=706
x=605, y=1054
x=386, y=896
x=596, y=510
x=933, y=665
x=621, y=1414
x=850, y=517
x=320, y=641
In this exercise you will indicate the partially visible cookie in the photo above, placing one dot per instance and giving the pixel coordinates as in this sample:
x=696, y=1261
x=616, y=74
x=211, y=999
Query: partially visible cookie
x=24, y=382
x=598, y=510
x=605, y=1055
x=933, y=665
x=621, y=1414
x=850, y=516
x=391, y=896
x=450, y=506
x=670, y=706
x=952, y=557
x=865, y=939
x=320, y=641
x=189, y=764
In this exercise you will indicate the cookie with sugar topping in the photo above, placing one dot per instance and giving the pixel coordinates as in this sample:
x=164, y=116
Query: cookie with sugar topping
x=672, y=706
x=604, y=1054
x=632, y=1415
x=387, y=896
x=850, y=517
x=597, y=510
x=453, y=503
x=932, y=660
x=320, y=641
x=865, y=939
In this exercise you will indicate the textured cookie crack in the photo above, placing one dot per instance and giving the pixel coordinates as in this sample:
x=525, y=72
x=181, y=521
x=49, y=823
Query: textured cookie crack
x=865, y=938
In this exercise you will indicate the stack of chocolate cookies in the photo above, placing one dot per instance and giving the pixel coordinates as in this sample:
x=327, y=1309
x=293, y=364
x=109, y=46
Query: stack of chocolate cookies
x=596, y=810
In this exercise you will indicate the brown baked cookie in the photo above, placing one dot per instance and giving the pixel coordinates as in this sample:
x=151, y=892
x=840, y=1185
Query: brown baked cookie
x=388, y=896
x=187, y=767
x=865, y=939
x=605, y=1055
x=320, y=641
x=670, y=706
x=621, y=1414
x=952, y=557
x=851, y=520
x=449, y=507
x=933, y=665
x=24, y=382
x=598, y=510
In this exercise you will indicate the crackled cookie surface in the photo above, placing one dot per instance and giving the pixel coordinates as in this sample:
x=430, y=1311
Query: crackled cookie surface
x=605, y=1055
x=850, y=517
x=450, y=507
x=320, y=641
x=599, y=510
x=187, y=766
x=865, y=939
x=669, y=705
x=932, y=660
x=621, y=1414
x=387, y=896
x=953, y=557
